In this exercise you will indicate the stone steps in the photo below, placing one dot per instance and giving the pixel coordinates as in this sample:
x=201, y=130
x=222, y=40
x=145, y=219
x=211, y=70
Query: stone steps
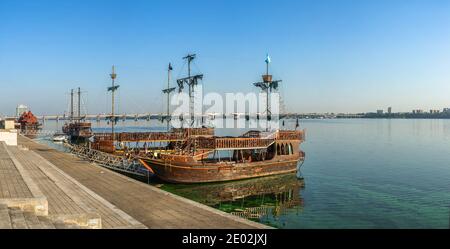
x=5, y=219
x=15, y=218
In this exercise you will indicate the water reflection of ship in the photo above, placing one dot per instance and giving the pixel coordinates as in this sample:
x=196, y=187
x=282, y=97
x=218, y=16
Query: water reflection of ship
x=284, y=201
x=254, y=198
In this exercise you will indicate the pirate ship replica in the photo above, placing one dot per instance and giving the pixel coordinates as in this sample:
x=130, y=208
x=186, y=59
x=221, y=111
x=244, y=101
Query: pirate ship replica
x=196, y=155
x=77, y=129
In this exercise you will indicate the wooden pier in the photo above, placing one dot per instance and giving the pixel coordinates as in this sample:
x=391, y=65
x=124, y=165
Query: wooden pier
x=82, y=194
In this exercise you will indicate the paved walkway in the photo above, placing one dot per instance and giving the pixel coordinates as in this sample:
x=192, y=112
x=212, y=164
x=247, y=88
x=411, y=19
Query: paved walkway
x=149, y=205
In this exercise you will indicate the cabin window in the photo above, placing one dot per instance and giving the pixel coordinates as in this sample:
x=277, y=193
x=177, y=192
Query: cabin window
x=278, y=149
x=291, y=151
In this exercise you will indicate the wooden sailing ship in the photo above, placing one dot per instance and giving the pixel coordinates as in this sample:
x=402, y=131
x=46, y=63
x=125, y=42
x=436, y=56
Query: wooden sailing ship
x=77, y=129
x=196, y=155
x=253, y=154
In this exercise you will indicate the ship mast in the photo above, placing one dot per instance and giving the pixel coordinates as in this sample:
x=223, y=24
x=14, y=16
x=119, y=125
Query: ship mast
x=113, y=88
x=167, y=91
x=190, y=58
x=267, y=85
x=79, y=104
x=191, y=81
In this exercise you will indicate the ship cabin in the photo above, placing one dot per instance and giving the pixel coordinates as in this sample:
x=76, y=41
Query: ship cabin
x=253, y=146
x=78, y=129
x=200, y=145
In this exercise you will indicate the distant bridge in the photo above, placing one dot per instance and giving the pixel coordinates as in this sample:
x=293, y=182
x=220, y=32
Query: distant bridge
x=148, y=116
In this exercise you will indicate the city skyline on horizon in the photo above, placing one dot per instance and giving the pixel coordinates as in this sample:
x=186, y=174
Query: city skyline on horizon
x=20, y=108
x=335, y=57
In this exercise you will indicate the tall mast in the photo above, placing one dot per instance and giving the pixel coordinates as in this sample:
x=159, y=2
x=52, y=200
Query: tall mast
x=267, y=92
x=167, y=91
x=113, y=88
x=191, y=81
x=190, y=58
x=168, y=94
x=267, y=85
x=79, y=104
x=267, y=80
x=71, y=105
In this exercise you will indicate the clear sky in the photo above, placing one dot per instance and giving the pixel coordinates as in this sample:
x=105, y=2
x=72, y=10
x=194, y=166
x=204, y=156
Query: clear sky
x=333, y=56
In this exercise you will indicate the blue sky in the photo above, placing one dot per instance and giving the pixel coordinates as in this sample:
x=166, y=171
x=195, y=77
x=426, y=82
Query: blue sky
x=333, y=56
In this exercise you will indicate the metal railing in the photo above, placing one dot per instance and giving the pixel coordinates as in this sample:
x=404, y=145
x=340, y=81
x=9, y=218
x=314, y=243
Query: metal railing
x=232, y=143
x=107, y=160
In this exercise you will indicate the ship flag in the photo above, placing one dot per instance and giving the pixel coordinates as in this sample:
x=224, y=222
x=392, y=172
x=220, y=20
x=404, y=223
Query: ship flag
x=170, y=67
x=268, y=60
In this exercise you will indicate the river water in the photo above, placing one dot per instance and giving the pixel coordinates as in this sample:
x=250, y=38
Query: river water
x=358, y=173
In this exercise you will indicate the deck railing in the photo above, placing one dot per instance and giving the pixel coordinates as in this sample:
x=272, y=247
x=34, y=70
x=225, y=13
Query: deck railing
x=291, y=135
x=232, y=143
x=203, y=138
x=173, y=135
x=195, y=131
x=140, y=136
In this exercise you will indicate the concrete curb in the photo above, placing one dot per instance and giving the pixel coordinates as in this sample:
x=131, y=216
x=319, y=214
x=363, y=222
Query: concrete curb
x=88, y=220
x=38, y=206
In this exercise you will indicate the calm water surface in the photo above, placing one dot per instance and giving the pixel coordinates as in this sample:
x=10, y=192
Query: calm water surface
x=358, y=173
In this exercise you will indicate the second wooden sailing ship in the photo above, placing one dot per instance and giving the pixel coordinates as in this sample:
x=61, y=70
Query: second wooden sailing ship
x=77, y=129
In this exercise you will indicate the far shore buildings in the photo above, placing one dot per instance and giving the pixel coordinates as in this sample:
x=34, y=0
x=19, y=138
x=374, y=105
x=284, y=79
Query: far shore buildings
x=432, y=111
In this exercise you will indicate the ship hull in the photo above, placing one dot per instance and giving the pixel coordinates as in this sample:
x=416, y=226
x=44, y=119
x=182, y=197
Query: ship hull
x=219, y=172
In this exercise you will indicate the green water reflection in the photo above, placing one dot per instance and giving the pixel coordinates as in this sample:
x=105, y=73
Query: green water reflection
x=260, y=199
